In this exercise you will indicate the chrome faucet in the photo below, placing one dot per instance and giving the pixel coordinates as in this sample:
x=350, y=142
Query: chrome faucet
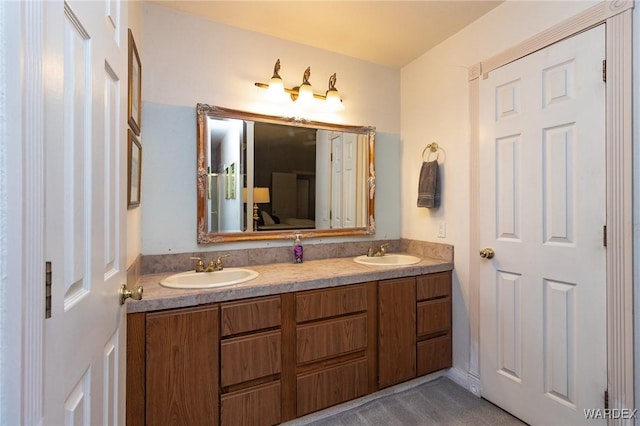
x=212, y=266
x=377, y=251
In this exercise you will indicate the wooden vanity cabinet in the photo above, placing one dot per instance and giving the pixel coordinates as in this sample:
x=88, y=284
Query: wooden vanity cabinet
x=267, y=360
x=251, y=362
x=414, y=327
x=335, y=355
x=433, y=294
x=396, y=331
x=172, y=363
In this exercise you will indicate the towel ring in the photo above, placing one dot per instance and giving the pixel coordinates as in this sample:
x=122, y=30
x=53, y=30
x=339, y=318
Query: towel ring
x=432, y=147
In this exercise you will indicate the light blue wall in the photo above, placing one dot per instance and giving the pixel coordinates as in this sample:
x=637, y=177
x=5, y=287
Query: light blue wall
x=168, y=201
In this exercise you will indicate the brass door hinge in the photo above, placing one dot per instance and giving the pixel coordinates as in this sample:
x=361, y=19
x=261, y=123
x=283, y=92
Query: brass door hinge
x=604, y=70
x=47, y=290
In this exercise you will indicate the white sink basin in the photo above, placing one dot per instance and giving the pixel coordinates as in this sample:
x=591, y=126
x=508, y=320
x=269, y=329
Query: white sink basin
x=191, y=279
x=388, y=260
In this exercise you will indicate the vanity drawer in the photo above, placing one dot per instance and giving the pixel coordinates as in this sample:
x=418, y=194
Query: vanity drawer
x=433, y=316
x=434, y=354
x=433, y=286
x=250, y=357
x=317, y=304
x=329, y=338
x=257, y=406
x=331, y=386
x=250, y=315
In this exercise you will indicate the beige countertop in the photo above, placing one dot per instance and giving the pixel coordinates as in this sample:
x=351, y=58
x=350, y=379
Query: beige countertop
x=276, y=279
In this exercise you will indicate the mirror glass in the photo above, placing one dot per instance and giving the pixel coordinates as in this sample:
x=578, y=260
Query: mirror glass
x=265, y=177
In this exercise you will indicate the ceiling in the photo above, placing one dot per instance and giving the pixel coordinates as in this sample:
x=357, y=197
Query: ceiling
x=389, y=33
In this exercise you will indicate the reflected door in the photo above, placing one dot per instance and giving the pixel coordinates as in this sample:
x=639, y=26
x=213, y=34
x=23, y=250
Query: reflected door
x=214, y=203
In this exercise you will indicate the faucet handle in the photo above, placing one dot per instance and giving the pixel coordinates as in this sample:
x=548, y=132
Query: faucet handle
x=199, y=265
x=219, y=259
x=218, y=262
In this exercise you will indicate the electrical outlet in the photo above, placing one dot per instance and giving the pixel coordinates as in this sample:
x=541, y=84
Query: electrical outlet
x=442, y=229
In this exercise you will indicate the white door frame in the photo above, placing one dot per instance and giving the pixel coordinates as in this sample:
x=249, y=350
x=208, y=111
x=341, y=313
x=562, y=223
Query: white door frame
x=22, y=285
x=617, y=15
x=11, y=214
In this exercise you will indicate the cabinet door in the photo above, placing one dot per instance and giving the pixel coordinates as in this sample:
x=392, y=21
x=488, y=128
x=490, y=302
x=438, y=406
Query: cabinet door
x=250, y=315
x=433, y=286
x=325, y=339
x=396, y=331
x=323, y=388
x=250, y=357
x=256, y=406
x=182, y=367
x=434, y=354
x=324, y=303
x=434, y=316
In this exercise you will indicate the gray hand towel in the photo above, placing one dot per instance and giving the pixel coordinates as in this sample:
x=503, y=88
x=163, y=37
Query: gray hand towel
x=429, y=185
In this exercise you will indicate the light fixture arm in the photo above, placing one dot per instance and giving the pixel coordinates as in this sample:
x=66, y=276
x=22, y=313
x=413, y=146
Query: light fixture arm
x=306, y=75
x=276, y=70
x=332, y=82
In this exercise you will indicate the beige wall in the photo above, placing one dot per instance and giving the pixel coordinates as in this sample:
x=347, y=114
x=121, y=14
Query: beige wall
x=191, y=60
x=435, y=107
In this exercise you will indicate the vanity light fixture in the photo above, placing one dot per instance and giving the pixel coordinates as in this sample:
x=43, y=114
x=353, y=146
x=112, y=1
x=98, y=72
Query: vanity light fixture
x=304, y=92
x=332, y=96
x=276, y=85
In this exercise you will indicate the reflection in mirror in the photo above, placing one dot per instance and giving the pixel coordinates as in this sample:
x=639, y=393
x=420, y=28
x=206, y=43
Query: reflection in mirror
x=263, y=177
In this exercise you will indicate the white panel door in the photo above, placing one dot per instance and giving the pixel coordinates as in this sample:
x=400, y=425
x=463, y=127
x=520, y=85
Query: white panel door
x=542, y=197
x=349, y=158
x=343, y=179
x=337, y=175
x=85, y=85
x=323, y=179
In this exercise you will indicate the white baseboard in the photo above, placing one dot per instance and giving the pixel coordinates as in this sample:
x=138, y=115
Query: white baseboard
x=474, y=384
x=459, y=377
x=465, y=379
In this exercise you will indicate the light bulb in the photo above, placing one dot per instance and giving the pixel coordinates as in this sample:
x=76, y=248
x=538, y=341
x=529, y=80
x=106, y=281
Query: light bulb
x=305, y=93
x=276, y=88
x=333, y=100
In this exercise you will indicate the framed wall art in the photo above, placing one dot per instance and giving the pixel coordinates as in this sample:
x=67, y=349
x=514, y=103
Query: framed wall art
x=134, y=109
x=134, y=170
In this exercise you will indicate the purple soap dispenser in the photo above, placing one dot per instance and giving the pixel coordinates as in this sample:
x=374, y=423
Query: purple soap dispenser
x=297, y=250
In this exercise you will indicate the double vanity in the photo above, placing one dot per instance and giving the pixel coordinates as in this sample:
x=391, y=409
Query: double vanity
x=254, y=339
x=295, y=339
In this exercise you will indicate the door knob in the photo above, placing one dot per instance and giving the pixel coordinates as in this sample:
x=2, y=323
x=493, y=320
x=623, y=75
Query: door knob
x=125, y=293
x=487, y=253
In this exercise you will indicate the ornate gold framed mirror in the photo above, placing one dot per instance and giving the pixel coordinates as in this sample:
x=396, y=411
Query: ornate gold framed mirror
x=262, y=177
